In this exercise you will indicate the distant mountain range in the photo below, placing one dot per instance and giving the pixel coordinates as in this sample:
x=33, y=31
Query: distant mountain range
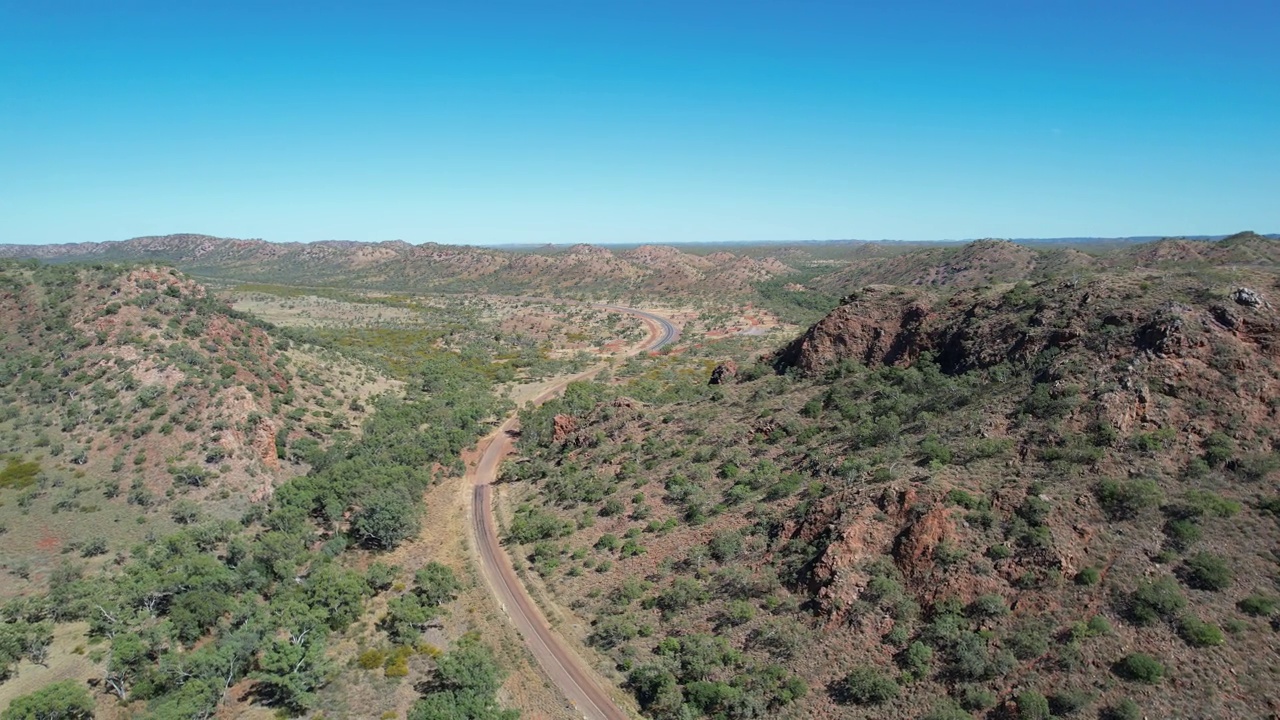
x=701, y=269
x=399, y=265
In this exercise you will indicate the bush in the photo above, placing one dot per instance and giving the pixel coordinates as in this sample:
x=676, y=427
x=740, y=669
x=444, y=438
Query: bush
x=975, y=697
x=916, y=660
x=1126, y=499
x=738, y=612
x=956, y=496
x=1046, y=404
x=1206, y=571
x=1198, y=503
x=1182, y=533
x=1032, y=706
x=1155, y=599
x=1035, y=510
x=1218, y=448
x=1098, y=625
x=946, y=710
x=1126, y=709
x=66, y=700
x=94, y=547
x=387, y=518
x=782, y=637
x=371, y=659
x=867, y=686
x=1140, y=667
x=725, y=545
x=1088, y=576
x=1258, y=605
x=1256, y=468
x=987, y=606
x=933, y=452
x=1198, y=633
x=1068, y=702
x=683, y=593
x=1030, y=640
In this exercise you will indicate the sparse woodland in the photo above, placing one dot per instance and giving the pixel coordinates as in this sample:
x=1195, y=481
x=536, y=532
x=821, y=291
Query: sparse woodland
x=978, y=481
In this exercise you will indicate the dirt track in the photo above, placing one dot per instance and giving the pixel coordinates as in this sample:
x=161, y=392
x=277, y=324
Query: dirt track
x=584, y=690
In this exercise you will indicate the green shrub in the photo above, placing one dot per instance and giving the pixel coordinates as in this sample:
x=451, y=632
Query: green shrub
x=94, y=547
x=1140, y=667
x=956, y=496
x=1045, y=404
x=1029, y=640
x=1153, y=441
x=867, y=686
x=739, y=612
x=1032, y=705
x=1098, y=625
x=987, y=606
x=18, y=474
x=1256, y=467
x=946, y=709
x=999, y=552
x=916, y=660
x=66, y=700
x=1198, y=633
x=1067, y=702
x=1270, y=505
x=371, y=659
x=683, y=594
x=1207, y=571
x=725, y=545
x=1126, y=709
x=933, y=452
x=1088, y=576
x=1182, y=533
x=1218, y=448
x=1126, y=499
x=1198, y=503
x=1258, y=605
x=1155, y=599
x=975, y=697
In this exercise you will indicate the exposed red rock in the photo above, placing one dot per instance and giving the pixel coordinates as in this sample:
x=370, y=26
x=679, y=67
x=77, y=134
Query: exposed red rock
x=564, y=426
x=723, y=373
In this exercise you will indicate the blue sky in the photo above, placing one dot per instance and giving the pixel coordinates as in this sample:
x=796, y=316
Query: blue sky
x=631, y=121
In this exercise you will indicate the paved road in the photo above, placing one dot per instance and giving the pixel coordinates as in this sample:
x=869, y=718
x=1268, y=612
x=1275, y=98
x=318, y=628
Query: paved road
x=584, y=689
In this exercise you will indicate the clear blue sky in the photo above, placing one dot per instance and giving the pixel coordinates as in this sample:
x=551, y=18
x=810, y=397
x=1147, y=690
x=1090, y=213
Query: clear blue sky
x=638, y=120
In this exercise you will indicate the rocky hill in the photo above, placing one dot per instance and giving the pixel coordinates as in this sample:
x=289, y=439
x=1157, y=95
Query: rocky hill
x=199, y=515
x=429, y=267
x=977, y=263
x=1005, y=501
x=1241, y=249
x=132, y=390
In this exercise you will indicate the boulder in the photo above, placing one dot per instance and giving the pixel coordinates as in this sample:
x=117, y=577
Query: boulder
x=564, y=425
x=1247, y=297
x=724, y=373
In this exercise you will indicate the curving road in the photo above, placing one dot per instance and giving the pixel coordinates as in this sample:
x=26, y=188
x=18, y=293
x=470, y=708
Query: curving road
x=576, y=681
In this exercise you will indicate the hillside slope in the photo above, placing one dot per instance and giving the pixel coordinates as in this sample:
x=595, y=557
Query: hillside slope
x=199, y=517
x=134, y=391
x=990, y=503
x=430, y=266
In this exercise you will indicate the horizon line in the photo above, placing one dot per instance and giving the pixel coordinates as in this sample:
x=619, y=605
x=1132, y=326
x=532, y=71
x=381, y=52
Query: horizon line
x=606, y=243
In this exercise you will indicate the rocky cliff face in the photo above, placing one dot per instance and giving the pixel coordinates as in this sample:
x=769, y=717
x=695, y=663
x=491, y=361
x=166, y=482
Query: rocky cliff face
x=1104, y=319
